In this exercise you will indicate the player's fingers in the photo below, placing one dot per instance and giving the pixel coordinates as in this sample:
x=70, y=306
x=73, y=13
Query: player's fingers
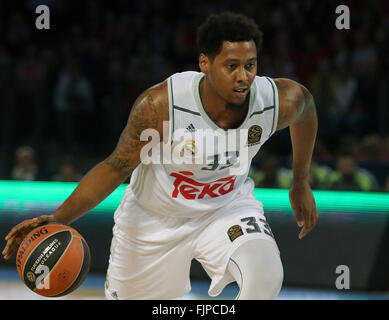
x=26, y=226
x=299, y=217
x=13, y=244
x=11, y=247
x=10, y=252
x=315, y=216
x=6, y=249
x=17, y=234
x=307, y=224
x=311, y=219
x=302, y=233
x=310, y=222
x=305, y=231
x=10, y=242
x=19, y=227
x=12, y=232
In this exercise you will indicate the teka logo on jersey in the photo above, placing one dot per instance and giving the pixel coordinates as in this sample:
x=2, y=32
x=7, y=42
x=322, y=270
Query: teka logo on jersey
x=27, y=242
x=191, y=189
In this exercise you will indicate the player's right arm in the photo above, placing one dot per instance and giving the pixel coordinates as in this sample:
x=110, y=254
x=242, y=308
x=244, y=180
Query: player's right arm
x=149, y=111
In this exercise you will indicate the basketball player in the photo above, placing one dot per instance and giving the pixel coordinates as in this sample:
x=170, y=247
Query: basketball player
x=173, y=213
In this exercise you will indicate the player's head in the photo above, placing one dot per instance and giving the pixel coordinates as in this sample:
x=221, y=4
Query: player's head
x=228, y=44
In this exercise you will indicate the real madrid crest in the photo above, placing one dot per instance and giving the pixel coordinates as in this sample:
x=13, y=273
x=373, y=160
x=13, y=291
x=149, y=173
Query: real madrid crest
x=189, y=147
x=254, y=135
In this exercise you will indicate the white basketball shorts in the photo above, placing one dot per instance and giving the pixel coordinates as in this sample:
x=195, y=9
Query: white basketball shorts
x=151, y=254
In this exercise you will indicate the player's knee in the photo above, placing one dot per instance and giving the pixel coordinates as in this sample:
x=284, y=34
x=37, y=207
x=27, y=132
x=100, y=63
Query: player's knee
x=269, y=283
x=257, y=267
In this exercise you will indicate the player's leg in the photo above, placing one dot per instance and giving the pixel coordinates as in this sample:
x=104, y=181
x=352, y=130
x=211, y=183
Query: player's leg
x=138, y=273
x=149, y=256
x=240, y=231
x=256, y=267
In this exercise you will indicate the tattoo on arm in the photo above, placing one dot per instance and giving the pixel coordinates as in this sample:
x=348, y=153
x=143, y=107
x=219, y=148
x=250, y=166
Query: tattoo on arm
x=119, y=159
x=149, y=111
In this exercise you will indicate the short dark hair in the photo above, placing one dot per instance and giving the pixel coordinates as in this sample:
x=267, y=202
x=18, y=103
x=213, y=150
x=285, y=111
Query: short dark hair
x=226, y=26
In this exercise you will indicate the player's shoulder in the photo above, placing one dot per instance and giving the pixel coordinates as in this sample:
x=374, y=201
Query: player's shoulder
x=292, y=97
x=290, y=90
x=185, y=75
x=160, y=92
x=266, y=83
x=286, y=88
x=154, y=100
x=157, y=92
x=151, y=108
x=181, y=82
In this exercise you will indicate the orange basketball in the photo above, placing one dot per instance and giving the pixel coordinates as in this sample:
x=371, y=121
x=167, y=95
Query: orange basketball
x=53, y=260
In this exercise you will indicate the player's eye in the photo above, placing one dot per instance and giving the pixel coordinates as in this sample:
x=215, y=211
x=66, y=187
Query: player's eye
x=231, y=66
x=250, y=66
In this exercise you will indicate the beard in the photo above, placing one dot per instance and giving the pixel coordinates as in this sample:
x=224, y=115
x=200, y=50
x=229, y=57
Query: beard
x=238, y=106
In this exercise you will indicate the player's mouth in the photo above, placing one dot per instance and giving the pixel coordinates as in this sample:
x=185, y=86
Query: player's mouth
x=241, y=92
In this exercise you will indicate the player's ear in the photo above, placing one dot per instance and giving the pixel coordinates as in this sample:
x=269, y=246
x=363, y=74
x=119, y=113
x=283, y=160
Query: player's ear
x=204, y=63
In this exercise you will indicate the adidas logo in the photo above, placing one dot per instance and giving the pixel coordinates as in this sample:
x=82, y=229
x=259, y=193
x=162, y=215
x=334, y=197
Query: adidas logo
x=191, y=128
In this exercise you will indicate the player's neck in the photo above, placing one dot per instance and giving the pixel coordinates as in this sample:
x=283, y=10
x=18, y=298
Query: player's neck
x=225, y=115
x=213, y=102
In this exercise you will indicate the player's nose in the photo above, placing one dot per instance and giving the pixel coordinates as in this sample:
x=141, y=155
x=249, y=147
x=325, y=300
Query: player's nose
x=241, y=75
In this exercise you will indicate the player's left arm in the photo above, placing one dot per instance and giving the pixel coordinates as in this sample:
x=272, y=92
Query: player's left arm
x=297, y=111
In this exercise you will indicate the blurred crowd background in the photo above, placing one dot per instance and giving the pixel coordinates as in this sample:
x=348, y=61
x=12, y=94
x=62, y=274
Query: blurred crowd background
x=66, y=93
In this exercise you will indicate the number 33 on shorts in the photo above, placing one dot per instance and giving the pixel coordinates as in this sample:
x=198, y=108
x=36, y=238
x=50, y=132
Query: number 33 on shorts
x=249, y=225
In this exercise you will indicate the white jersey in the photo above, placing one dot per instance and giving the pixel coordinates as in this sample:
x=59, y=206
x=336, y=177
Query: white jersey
x=191, y=190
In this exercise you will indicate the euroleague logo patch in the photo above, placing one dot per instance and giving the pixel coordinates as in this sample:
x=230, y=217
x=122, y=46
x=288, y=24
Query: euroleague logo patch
x=30, y=276
x=234, y=232
x=254, y=135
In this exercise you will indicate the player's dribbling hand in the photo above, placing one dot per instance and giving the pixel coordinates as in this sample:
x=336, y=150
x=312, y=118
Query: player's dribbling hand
x=304, y=207
x=17, y=233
